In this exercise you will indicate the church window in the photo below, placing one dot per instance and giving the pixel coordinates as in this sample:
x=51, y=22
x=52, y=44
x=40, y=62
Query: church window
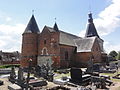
x=44, y=41
x=66, y=55
x=0, y=57
x=44, y=51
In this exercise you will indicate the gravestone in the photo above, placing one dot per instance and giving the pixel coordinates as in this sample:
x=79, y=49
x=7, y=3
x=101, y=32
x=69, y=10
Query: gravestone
x=118, y=63
x=20, y=74
x=112, y=65
x=96, y=67
x=12, y=75
x=14, y=87
x=38, y=83
x=76, y=74
x=21, y=79
x=37, y=71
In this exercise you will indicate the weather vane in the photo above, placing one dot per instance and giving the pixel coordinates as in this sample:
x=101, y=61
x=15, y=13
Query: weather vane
x=32, y=12
x=90, y=2
x=55, y=19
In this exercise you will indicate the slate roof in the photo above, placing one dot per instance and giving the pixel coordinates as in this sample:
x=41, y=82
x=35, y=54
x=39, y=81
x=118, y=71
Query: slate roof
x=85, y=44
x=32, y=26
x=67, y=38
x=64, y=37
x=91, y=30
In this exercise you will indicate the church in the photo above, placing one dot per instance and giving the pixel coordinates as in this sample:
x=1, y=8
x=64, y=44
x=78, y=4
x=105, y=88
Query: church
x=61, y=48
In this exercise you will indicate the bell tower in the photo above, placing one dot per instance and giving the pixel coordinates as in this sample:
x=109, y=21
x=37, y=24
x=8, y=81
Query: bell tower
x=92, y=32
x=30, y=43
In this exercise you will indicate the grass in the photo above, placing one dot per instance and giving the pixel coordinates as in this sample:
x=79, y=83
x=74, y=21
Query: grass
x=9, y=65
x=111, y=75
x=61, y=75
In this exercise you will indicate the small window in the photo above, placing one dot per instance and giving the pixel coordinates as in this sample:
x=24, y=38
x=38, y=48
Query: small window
x=0, y=57
x=66, y=55
x=44, y=41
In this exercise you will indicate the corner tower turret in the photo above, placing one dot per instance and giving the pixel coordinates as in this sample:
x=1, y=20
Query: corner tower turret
x=91, y=30
x=30, y=43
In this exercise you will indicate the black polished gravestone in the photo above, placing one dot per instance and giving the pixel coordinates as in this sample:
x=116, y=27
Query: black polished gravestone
x=76, y=75
x=78, y=78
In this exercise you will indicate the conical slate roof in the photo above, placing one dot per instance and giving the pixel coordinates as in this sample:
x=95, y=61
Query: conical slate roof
x=55, y=27
x=32, y=26
x=91, y=30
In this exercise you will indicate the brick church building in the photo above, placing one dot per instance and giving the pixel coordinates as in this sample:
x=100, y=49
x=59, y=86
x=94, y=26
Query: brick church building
x=64, y=49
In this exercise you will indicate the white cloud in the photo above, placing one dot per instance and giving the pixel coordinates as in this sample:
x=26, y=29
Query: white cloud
x=107, y=22
x=109, y=47
x=8, y=19
x=82, y=33
x=10, y=37
x=108, y=19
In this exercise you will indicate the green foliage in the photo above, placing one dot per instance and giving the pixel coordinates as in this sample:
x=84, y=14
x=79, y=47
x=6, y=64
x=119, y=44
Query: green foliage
x=113, y=54
x=9, y=66
x=118, y=56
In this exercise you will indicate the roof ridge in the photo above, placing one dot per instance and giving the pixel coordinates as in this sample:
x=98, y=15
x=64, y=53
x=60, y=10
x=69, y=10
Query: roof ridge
x=64, y=32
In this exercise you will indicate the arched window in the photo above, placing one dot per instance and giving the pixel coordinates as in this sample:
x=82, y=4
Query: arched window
x=66, y=55
x=44, y=51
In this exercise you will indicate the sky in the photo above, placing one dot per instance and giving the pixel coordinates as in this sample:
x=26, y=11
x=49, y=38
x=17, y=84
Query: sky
x=71, y=16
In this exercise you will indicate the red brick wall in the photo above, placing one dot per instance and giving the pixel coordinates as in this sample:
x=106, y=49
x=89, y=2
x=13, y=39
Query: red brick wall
x=29, y=49
x=9, y=62
x=51, y=47
x=70, y=50
x=84, y=57
x=96, y=52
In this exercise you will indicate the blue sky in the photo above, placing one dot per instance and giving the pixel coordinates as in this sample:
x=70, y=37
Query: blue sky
x=71, y=17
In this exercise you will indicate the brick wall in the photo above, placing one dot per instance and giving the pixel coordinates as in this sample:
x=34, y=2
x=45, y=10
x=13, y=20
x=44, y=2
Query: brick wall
x=29, y=48
x=71, y=51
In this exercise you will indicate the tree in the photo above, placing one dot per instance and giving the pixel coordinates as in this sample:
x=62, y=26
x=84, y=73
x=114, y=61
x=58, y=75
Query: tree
x=118, y=56
x=113, y=54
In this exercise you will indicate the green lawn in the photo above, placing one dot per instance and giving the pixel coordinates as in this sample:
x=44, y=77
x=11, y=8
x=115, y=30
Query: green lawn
x=111, y=75
x=61, y=75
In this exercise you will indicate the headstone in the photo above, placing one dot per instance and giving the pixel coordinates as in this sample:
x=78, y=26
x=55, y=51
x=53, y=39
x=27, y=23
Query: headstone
x=20, y=74
x=21, y=78
x=118, y=63
x=12, y=75
x=96, y=68
x=76, y=74
x=14, y=87
x=37, y=71
x=112, y=65
x=1, y=82
x=37, y=83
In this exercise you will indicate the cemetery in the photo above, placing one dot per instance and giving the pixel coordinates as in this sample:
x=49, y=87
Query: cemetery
x=57, y=60
x=45, y=78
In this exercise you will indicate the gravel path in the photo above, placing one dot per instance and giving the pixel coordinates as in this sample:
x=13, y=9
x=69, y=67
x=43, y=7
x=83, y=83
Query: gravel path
x=6, y=83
